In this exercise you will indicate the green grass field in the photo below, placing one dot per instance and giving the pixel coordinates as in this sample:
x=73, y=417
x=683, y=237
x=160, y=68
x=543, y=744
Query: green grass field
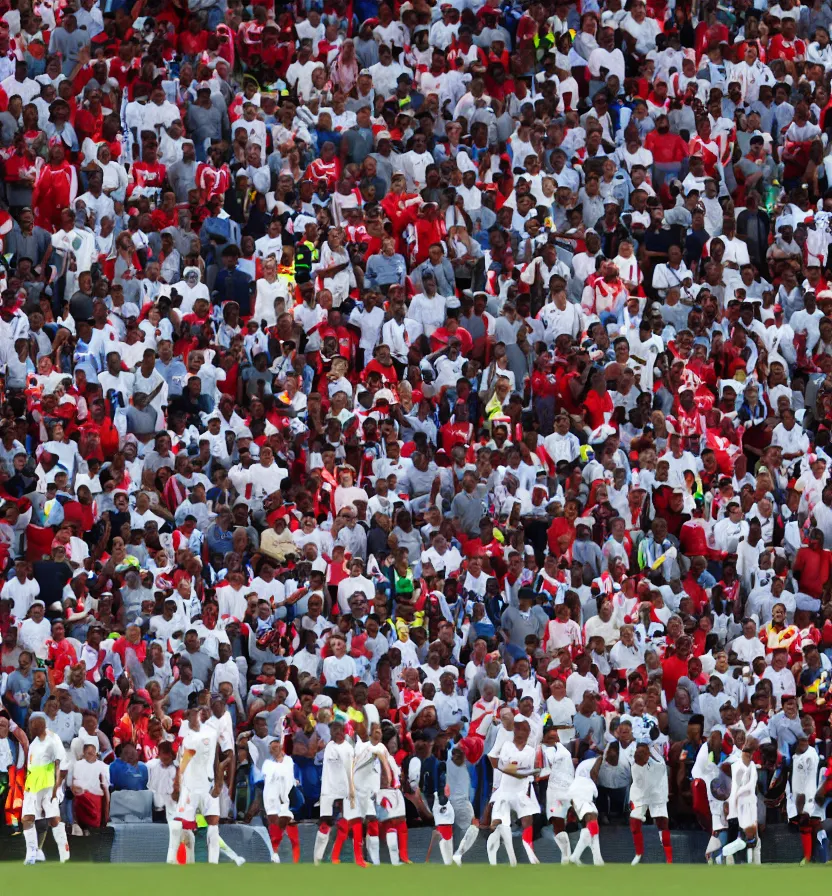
x=139, y=880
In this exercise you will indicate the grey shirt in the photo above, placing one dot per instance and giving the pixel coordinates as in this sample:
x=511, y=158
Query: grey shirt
x=182, y=177
x=359, y=142
x=179, y=693
x=205, y=124
x=411, y=540
x=518, y=626
x=201, y=663
x=141, y=422
x=470, y=510
x=68, y=46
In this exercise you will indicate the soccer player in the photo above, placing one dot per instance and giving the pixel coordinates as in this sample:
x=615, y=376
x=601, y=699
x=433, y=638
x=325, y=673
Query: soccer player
x=443, y=818
x=557, y=766
x=278, y=781
x=516, y=764
x=469, y=749
x=45, y=772
x=390, y=809
x=713, y=763
x=199, y=782
x=648, y=793
x=582, y=792
x=800, y=795
x=742, y=805
x=370, y=758
x=336, y=784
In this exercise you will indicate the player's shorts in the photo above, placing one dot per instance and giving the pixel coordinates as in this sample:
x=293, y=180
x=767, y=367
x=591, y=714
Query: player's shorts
x=747, y=813
x=192, y=804
x=719, y=820
x=656, y=810
x=276, y=806
x=463, y=813
x=389, y=804
x=521, y=804
x=328, y=801
x=582, y=809
x=443, y=814
x=364, y=806
x=41, y=804
x=810, y=808
x=557, y=808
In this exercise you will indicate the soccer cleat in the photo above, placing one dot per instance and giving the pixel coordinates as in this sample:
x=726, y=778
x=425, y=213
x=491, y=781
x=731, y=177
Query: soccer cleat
x=804, y=862
x=636, y=860
x=64, y=857
x=239, y=861
x=276, y=858
x=30, y=858
x=457, y=860
x=575, y=859
x=40, y=856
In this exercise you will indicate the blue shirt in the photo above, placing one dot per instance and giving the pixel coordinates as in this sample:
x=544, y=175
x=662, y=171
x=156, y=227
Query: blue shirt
x=175, y=374
x=128, y=777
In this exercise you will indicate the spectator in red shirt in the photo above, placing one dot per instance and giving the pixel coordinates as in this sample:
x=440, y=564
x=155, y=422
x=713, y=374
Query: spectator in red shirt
x=812, y=565
x=669, y=151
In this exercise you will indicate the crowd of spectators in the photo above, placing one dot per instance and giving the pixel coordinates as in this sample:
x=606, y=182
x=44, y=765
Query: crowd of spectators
x=415, y=364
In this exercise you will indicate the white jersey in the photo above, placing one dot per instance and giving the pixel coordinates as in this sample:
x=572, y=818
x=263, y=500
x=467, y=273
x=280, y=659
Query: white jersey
x=224, y=728
x=367, y=767
x=649, y=783
x=338, y=759
x=583, y=789
x=43, y=754
x=198, y=776
x=743, y=797
x=503, y=737
x=278, y=779
x=804, y=774
x=558, y=761
x=524, y=762
x=803, y=781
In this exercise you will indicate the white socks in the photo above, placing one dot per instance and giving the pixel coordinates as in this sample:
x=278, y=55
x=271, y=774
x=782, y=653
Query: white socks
x=59, y=833
x=734, y=847
x=213, y=834
x=30, y=835
x=492, y=846
x=581, y=845
x=562, y=840
x=174, y=839
x=446, y=850
x=468, y=840
x=392, y=839
x=505, y=833
x=321, y=841
x=372, y=850
x=189, y=840
x=595, y=846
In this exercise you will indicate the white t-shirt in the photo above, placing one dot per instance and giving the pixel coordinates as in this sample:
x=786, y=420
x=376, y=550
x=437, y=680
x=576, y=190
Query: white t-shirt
x=88, y=776
x=278, y=779
x=524, y=760
x=21, y=595
x=198, y=776
x=336, y=670
x=337, y=763
x=561, y=771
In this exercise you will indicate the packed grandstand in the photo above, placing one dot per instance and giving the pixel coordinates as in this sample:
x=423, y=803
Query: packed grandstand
x=416, y=416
